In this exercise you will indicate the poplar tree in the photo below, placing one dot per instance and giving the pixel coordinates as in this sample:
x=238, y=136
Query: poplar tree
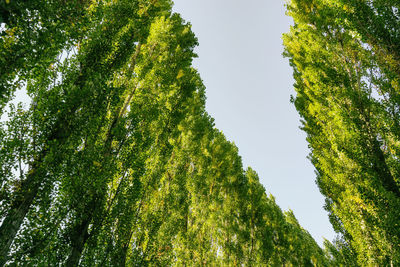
x=345, y=60
x=115, y=161
x=34, y=33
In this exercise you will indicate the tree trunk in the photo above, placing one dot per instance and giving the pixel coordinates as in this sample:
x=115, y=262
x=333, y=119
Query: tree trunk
x=19, y=208
x=30, y=186
x=78, y=242
x=381, y=167
x=14, y=219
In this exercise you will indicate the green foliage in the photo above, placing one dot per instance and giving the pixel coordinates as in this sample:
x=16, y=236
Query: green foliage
x=34, y=33
x=345, y=63
x=115, y=162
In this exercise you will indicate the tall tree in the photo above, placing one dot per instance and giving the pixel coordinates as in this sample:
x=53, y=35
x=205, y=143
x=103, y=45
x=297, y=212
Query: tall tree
x=116, y=162
x=33, y=34
x=63, y=113
x=346, y=76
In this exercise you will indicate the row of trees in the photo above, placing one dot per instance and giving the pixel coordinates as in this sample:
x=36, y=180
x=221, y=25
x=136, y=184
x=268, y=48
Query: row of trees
x=115, y=162
x=346, y=60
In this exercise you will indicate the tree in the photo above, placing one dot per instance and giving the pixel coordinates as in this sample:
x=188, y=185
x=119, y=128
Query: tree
x=116, y=162
x=35, y=33
x=345, y=78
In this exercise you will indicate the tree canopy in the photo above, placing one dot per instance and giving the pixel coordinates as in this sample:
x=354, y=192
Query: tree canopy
x=345, y=59
x=115, y=162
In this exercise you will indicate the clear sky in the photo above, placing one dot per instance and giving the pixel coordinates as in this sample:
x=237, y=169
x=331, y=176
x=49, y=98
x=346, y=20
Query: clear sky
x=248, y=85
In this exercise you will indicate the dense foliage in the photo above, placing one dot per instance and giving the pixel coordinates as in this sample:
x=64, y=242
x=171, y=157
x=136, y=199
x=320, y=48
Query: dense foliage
x=114, y=161
x=346, y=62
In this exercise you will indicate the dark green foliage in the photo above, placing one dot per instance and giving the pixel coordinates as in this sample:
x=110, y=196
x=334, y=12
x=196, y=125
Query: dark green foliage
x=34, y=33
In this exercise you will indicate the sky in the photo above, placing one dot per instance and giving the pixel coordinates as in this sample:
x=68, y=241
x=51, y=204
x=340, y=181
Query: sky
x=248, y=87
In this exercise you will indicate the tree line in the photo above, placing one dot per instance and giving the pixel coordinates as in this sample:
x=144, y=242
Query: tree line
x=345, y=56
x=114, y=161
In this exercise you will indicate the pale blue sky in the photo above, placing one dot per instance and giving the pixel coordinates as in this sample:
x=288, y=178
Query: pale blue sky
x=249, y=85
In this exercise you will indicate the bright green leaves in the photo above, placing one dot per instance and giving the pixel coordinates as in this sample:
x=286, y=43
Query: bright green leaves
x=346, y=99
x=121, y=165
